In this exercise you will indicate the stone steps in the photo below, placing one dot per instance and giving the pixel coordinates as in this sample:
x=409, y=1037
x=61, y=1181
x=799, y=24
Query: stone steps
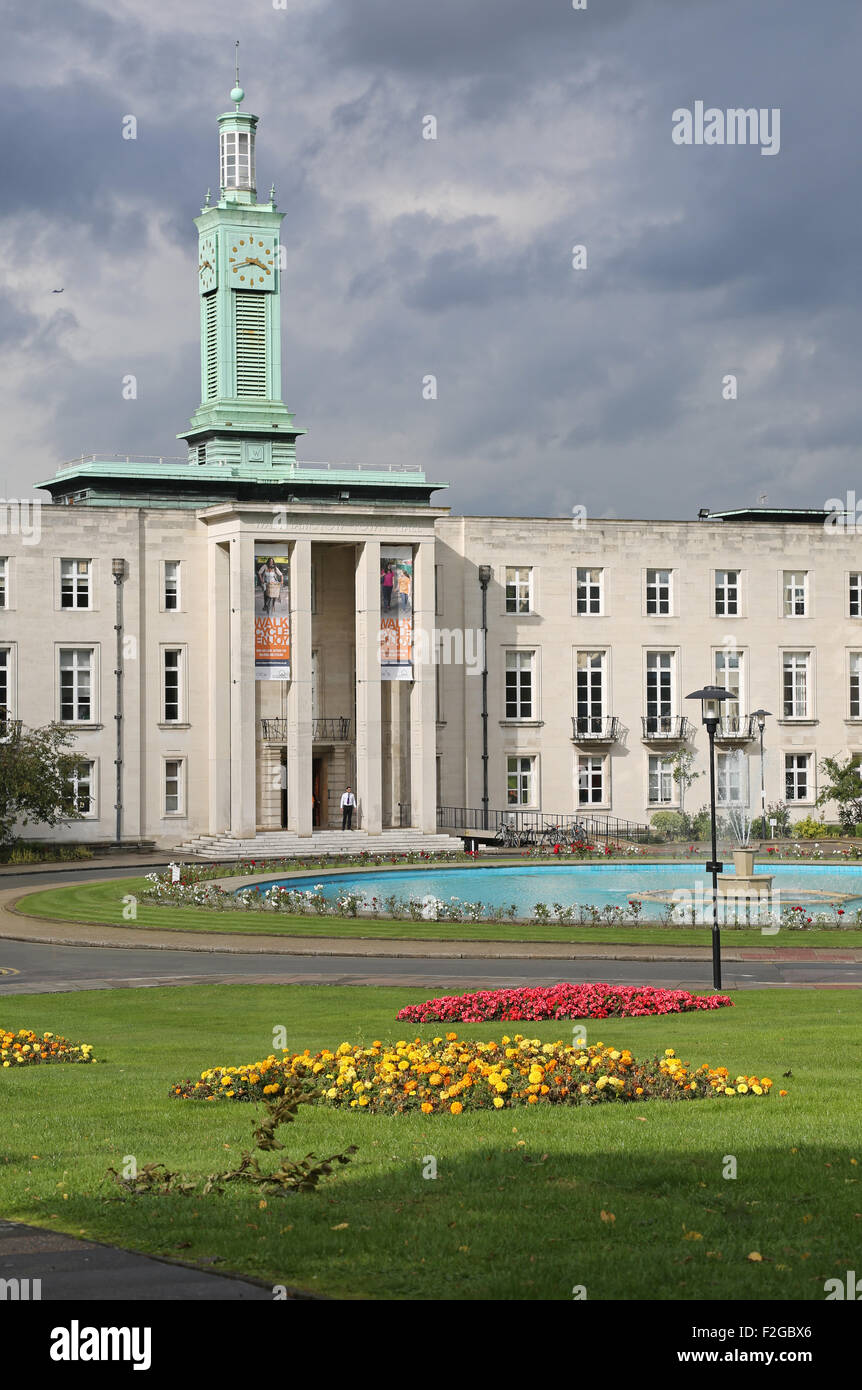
x=284, y=844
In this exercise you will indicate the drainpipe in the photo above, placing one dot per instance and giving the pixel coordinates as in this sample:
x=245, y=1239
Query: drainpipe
x=484, y=580
x=118, y=570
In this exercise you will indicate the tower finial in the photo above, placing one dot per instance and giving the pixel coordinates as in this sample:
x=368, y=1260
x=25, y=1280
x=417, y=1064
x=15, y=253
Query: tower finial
x=237, y=94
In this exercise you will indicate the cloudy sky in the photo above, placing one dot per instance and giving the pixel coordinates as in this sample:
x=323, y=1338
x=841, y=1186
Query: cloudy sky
x=407, y=257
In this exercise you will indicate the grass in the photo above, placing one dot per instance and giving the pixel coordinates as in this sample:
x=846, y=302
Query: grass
x=102, y=902
x=516, y=1209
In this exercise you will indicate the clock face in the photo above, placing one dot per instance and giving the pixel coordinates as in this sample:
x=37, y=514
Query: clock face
x=252, y=263
x=208, y=265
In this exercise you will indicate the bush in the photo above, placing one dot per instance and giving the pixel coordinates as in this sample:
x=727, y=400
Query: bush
x=672, y=825
x=808, y=829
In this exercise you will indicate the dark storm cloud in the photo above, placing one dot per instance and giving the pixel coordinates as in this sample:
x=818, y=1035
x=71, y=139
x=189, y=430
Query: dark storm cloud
x=453, y=257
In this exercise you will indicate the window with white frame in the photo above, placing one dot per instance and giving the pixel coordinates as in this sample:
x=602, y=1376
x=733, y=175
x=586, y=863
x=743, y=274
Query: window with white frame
x=796, y=685
x=75, y=583
x=590, y=692
x=795, y=593
x=727, y=593
x=659, y=690
x=172, y=690
x=728, y=675
x=76, y=685
x=658, y=592
x=519, y=590
x=856, y=685
x=520, y=781
x=519, y=685
x=797, y=777
x=4, y=581
x=237, y=159
x=80, y=788
x=6, y=711
x=172, y=585
x=856, y=595
x=731, y=778
x=589, y=592
x=661, y=788
x=591, y=781
x=174, y=787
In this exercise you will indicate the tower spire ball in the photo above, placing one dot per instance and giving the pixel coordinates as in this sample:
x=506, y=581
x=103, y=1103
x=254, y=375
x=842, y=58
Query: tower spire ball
x=237, y=94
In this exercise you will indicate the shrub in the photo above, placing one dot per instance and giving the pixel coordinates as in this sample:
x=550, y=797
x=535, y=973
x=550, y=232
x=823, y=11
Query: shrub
x=673, y=825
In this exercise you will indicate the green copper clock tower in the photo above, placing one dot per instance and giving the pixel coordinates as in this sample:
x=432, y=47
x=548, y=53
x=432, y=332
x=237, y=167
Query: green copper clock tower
x=241, y=418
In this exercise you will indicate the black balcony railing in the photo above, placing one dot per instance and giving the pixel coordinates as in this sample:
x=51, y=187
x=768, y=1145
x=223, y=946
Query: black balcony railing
x=736, y=728
x=591, y=729
x=665, y=727
x=328, y=730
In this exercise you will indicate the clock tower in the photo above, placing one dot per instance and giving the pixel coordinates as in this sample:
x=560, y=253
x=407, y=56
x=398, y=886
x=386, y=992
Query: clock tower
x=242, y=418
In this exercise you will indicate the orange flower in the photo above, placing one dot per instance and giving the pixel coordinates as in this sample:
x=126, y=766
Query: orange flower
x=456, y=1107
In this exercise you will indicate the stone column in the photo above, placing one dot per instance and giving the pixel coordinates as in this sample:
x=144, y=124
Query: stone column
x=423, y=727
x=299, y=711
x=243, y=744
x=369, y=759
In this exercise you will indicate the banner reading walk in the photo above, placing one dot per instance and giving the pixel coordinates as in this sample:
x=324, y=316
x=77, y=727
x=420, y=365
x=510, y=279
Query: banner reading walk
x=396, y=613
x=271, y=617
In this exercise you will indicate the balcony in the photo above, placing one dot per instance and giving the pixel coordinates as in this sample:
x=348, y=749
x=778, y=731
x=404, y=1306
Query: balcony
x=331, y=730
x=736, y=728
x=589, y=729
x=665, y=728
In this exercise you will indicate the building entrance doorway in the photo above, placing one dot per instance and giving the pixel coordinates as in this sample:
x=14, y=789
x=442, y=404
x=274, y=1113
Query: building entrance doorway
x=319, y=793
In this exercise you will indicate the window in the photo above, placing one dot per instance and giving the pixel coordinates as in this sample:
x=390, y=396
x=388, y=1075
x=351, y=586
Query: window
x=520, y=781
x=76, y=682
x=590, y=691
x=6, y=711
x=796, y=685
x=731, y=776
x=519, y=590
x=659, y=689
x=173, y=667
x=727, y=593
x=728, y=675
x=796, y=776
x=80, y=788
x=856, y=685
x=660, y=791
x=4, y=581
x=172, y=585
x=237, y=159
x=591, y=781
x=588, y=592
x=658, y=591
x=795, y=593
x=74, y=583
x=519, y=685
x=856, y=595
x=174, y=788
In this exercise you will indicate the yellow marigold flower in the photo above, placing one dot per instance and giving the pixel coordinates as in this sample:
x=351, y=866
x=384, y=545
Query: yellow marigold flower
x=456, y=1107
x=585, y=1089
x=332, y=1092
x=270, y=1090
x=363, y=1100
x=758, y=1090
x=426, y=1107
x=742, y=1090
x=498, y=1102
x=435, y=1079
x=729, y=1091
x=532, y=1100
x=669, y=1052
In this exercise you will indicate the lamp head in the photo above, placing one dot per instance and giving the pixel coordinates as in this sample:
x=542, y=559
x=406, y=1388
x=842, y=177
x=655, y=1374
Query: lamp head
x=710, y=702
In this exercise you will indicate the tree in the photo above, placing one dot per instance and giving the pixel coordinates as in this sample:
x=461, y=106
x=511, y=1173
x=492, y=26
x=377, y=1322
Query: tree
x=35, y=777
x=844, y=787
x=681, y=764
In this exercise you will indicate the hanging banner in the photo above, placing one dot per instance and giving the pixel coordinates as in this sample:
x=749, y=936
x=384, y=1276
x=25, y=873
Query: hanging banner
x=271, y=617
x=396, y=613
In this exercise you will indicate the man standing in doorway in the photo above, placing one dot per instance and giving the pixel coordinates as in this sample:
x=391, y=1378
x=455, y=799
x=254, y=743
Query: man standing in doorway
x=348, y=801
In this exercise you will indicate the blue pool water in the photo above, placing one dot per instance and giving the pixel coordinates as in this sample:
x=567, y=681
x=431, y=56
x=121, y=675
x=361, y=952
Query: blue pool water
x=597, y=884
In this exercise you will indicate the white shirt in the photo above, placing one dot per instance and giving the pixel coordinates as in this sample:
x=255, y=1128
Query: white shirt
x=348, y=799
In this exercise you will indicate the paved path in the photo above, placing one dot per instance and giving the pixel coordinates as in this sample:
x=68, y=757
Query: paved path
x=74, y=1270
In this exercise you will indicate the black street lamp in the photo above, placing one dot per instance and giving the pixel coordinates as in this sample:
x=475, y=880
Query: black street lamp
x=710, y=702
x=761, y=715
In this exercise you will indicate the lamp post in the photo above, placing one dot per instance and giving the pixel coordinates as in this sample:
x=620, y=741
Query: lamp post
x=761, y=715
x=710, y=702
x=484, y=580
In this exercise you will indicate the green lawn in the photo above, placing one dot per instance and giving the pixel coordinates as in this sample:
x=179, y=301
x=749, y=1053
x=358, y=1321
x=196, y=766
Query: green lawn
x=515, y=1212
x=102, y=901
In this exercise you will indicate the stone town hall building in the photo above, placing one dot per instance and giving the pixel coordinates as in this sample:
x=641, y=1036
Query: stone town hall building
x=236, y=636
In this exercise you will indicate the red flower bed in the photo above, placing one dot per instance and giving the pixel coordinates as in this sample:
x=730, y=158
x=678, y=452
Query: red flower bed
x=560, y=1001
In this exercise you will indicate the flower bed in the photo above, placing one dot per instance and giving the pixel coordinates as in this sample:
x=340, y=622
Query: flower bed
x=26, y=1049
x=559, y=1001
x=450, y=1075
